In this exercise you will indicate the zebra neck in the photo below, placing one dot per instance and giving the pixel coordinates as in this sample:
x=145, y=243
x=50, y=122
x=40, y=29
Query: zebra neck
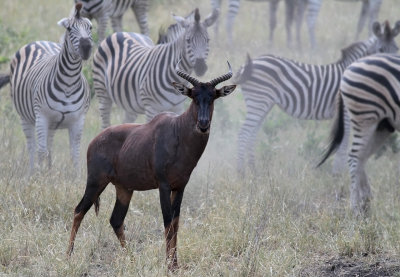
x=68, y=70
x=356, y=51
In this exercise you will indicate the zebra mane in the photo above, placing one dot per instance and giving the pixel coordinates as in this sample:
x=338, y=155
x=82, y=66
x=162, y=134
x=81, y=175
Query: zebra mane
x=166, y=35
x=352, y=49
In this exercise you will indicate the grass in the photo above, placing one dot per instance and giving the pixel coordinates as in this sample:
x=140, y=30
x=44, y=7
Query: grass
x=290, y=219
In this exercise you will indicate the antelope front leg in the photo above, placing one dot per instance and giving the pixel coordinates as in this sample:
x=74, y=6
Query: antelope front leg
x=170, y=206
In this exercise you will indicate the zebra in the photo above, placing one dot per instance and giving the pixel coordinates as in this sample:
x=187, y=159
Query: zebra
x=295, y=10
x=233, y=8
x=302, y=90
x=369, y=9
x=49, y=90
x=137, y=78
x=370, y=95
x=103, y=10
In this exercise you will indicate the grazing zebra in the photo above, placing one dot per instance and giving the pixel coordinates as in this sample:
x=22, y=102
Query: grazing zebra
x=49, y=90
x=138, y=78
x=103, y=10
x=295, y=11
x=369, y=9
x=302, y=90
x=370, y=95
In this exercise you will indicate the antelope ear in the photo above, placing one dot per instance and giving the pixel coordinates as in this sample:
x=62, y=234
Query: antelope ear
x=64, y=23
x=211, y=18
x=226, y=90
x=182, y=89
x=376, y=29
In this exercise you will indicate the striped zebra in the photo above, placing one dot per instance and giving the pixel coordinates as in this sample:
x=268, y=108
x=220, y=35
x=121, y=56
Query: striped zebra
x=294, y=11
x=302, y=90
x=103, y=10
x=233, y=8
x=138, y=78
x=369, y=10
x=49, y=90
x=370, y=95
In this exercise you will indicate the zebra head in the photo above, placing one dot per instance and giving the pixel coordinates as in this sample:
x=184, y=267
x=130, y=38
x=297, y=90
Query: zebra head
x=78, y=36
x=385, y=37
x=197, y=39
x=203, y=96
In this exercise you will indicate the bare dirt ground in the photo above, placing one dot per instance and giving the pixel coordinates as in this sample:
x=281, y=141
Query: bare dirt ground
x=356, y=266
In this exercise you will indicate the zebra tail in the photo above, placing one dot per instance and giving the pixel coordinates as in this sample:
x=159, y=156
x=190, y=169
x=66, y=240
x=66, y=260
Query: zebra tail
x=337, y=131
x=245, y=72
x=4, y=79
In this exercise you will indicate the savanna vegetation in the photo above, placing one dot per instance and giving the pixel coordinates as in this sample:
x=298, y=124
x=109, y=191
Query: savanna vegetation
x=289, y=219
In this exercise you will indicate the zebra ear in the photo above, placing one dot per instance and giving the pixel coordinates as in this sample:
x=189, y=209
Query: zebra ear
x=376, y=29
x=181, y=88
x=396, y=29
x=225, y=90
x=211, y=18
x=64, y=22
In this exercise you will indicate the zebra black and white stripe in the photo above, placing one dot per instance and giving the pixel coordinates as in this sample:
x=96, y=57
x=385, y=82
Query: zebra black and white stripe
x=302, y=90
x=103, y=10
x=138, y=78
x=49, y=90
x=370, y=95
x=294, y=11
x=233, y=9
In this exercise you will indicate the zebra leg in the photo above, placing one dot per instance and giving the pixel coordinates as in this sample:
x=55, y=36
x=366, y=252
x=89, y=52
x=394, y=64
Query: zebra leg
x=102, y=22
x=339, y=162
x=116, y=23
x=300, y=9
x=29, y=131
x=130, y=117
x=42, y=129
x=140, y=8
x=256, y=113
x=75, y=135
x=312, y=13
x=363, y=17
x=365, y=142
x=216, y=4
x=289, y=14
x=105, y=104
x=233, y=9
x=50, y=139
x=273, y=7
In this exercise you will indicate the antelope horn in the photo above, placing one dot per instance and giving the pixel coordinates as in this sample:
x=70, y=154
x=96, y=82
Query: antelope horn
x=222, y=78
x=186, y=76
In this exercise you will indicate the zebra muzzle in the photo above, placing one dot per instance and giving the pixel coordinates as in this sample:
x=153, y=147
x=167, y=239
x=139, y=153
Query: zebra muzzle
x=85, y=48
x=200, y=67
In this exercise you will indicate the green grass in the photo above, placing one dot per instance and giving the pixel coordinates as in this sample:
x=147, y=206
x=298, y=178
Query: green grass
x=288, y=220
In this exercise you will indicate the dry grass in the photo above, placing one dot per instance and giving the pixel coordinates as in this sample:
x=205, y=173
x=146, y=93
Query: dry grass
x=289, y=220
